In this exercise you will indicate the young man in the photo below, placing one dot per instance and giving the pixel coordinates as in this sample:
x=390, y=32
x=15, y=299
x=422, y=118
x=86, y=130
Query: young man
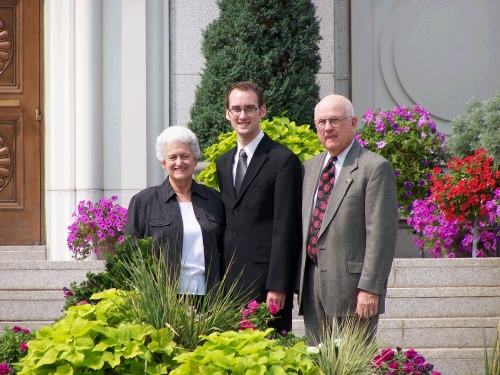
x=260, y=181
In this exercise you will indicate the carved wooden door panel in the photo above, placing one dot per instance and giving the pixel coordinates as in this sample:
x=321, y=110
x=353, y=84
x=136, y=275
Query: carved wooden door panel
x=20, y=128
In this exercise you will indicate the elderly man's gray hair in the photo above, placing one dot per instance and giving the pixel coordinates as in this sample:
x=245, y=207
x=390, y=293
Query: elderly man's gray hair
x=175, y=134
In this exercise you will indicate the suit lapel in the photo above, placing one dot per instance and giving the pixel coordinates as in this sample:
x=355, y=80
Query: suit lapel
x=258, y=159
x=228, y=173
x=309, y=186
x=341, y=185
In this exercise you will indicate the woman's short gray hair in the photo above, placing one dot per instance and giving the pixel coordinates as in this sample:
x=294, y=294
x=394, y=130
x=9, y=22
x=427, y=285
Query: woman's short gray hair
x=175, y=134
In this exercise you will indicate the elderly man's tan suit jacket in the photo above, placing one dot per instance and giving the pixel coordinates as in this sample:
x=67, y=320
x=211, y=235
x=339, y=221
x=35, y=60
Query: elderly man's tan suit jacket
x=358, y=236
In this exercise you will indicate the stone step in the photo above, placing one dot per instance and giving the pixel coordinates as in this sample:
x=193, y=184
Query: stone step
x=45, y=275
x=22, y=253
x=437, y=333
x=27, y=305
x=453, y=303
x=439, y=273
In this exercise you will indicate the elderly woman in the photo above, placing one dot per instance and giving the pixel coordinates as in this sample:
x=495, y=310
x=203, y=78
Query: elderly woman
x=185, y=219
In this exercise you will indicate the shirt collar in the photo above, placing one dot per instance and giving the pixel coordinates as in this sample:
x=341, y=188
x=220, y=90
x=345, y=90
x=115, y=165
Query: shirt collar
x=168, y=191
x=340, y=157
x=252, y=146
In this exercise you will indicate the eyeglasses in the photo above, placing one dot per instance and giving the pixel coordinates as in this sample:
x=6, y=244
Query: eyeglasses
x=334, y=122
x=248, y=110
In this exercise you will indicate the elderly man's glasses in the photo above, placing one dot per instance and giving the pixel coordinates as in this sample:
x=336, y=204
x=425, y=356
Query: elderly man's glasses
x=248, y=110
x=334, y=122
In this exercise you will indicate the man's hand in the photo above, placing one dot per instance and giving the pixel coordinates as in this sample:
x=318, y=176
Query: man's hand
x=277, y=297
x=367, y=304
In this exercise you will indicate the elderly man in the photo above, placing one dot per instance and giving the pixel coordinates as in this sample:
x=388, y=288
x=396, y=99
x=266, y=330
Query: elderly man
x=349, y=224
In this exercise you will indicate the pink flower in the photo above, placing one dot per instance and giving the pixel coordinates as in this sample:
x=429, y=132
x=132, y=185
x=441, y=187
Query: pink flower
x=27, y=331
x=17, y=329
x=81, y=303
x=247, y=312
x=273, y=308
x=24, y=346
x=245, y=324
x=253, y=305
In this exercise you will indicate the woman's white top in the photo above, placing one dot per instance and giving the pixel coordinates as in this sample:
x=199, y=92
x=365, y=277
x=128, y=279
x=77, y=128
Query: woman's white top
x=193, y=254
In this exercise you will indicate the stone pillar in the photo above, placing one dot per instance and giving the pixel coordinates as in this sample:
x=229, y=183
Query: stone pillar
x=88, y=101
x=60, y=194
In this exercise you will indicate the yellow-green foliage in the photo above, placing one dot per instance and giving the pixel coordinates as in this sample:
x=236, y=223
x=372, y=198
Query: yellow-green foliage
x=99, y=339
x=245, y=352
x=300, y=139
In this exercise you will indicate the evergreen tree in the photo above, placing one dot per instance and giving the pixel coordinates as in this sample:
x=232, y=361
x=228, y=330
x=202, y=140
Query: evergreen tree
x=270, y=42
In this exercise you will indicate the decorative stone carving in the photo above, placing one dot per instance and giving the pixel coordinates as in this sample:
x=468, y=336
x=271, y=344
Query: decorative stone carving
x=6, y=164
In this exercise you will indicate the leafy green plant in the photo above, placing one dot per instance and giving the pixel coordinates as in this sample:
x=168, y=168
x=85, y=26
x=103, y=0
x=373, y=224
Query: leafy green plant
x=114, y=276
x=245, y=352
x=271, y=43
x=13, y=347
x=480, y=128
x=302, y=140
x=346, y=349
x=99, y=339
x=156, y=301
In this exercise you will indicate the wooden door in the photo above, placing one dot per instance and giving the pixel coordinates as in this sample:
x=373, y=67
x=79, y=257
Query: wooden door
x=20, y=123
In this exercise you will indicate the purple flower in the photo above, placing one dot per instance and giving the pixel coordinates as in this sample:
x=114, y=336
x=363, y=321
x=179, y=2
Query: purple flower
x=397, y=172
x=381, y=144
x=408, y=185
x=17, y=329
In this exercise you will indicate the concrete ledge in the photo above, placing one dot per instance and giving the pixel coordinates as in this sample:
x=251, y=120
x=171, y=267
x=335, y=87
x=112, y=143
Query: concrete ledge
x=439, y=273
x=30, y=310
x=45, y=275
x=437, y=333
x=22, y=253
x=90, y=265
x=30, y=295
x=435, y=292
x=452, y=307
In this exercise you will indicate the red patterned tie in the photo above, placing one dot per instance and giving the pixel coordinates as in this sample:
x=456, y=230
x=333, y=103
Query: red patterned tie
x=325, y=186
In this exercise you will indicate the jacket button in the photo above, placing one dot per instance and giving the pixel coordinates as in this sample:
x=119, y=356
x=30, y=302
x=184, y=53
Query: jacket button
x=234, y=235
x=235, y=210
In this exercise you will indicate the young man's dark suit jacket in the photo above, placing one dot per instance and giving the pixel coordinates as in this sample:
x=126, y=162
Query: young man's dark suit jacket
x=262, y=238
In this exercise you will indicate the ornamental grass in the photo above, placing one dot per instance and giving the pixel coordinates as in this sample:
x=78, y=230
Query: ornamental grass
x=346, y=349
x=155, y=300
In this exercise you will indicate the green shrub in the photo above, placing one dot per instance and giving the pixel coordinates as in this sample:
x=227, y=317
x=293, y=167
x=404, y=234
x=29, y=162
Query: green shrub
x=480, y=128
x=271, y=43
x=99, y=339
x=300, y=139
x=245, y=352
